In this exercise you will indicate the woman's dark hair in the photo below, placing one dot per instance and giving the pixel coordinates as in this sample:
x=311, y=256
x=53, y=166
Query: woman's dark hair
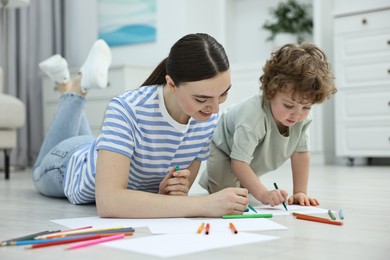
x=192, y=58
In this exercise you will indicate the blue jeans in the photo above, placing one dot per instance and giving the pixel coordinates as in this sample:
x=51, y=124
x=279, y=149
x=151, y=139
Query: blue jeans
x=69, y=131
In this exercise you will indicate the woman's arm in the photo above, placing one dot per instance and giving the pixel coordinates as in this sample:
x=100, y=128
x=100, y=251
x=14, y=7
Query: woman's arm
x=113, y=199
x=300, y=166
x=194, y=170
x=249, y=180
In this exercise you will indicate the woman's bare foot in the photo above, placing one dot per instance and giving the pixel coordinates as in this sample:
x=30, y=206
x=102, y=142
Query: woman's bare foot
x=71, y=87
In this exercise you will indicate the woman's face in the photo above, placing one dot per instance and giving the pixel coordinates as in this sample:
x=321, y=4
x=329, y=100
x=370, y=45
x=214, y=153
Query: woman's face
x=201, y=99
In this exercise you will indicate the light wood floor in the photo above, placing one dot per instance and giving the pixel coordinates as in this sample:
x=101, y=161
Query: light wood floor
x=362, y=192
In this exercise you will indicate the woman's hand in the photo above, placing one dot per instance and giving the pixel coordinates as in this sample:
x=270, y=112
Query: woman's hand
x=175, y=183
x=303, y=200
x=229, y=201
x=273, y=197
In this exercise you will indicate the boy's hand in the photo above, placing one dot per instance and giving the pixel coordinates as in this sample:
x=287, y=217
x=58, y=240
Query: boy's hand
x=302, y=199
x=175, y=183
x=274, y=197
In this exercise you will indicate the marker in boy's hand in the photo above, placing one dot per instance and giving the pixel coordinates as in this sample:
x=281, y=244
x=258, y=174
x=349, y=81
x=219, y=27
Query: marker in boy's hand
x=176, y=182
x=275, y=197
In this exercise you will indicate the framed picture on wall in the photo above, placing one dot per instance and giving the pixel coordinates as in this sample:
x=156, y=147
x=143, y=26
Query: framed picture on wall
x=124, y=22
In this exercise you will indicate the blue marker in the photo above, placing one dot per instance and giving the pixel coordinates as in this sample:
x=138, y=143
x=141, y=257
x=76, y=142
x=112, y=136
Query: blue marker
x=341, y=214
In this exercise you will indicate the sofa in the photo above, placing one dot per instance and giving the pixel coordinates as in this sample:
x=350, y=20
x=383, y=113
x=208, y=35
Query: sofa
x=12, y=117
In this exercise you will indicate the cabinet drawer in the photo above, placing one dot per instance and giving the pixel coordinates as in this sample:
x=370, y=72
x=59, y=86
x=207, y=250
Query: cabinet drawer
x=367, y=73
x=121, y=79
x=370, y=141
x=369, y=104
x=362, y=22
x=368, y=45
x=94, y=111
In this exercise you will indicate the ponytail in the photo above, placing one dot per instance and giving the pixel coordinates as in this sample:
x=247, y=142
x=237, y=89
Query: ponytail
x=157, y=77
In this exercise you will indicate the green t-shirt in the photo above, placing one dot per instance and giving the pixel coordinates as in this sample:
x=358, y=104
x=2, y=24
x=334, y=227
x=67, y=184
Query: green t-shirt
x=247, y=132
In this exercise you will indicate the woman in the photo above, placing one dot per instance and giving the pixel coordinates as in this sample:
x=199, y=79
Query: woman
x=153, y=138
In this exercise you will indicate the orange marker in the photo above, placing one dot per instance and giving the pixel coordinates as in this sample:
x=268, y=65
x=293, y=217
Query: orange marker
x=207, y=228
x=200, y=229
x=233, y=228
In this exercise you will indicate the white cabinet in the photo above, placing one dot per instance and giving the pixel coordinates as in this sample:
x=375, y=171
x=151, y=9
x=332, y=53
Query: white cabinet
x=121, y=78
x=362, y=70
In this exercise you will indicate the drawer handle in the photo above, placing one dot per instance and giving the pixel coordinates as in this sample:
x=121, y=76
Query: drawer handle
x=388, y=42
x=364, y=21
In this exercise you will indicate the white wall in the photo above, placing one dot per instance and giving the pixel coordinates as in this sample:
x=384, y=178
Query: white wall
x=82, y=31
x=245, y=37
x=175, y=18
x=234, y=23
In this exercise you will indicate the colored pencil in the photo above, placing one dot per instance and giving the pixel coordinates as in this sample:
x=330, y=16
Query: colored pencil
x=27, y=237
x=95, y=241
x=200, y=229
x=233, y=228
x=104, y=232
x=77, y=232
x=317, y=219
x=61, y=241
x=41, y=241
x=248, y=216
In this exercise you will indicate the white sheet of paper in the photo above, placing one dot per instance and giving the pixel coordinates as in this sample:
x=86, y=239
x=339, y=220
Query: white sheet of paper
x=173, y=225
x=280, y=210
x=180, y=244
x=98, y=222
x=217, y=225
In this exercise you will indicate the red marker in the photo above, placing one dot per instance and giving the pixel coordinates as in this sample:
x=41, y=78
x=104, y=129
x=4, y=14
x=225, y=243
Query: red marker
x=207, y=228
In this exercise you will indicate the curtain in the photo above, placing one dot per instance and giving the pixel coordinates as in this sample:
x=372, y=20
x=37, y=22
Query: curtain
x=35, y=33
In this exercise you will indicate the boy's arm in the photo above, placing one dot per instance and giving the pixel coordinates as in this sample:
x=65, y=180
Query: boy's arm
x=248, y=179
x=300, y=166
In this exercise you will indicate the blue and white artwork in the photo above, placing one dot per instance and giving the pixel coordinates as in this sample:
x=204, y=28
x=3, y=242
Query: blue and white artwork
x=123, y=22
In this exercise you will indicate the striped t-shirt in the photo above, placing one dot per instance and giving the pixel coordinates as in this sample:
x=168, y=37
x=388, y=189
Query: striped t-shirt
x=138, y=126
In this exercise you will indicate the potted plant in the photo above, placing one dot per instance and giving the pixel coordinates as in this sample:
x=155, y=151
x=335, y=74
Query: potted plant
x=291, y=18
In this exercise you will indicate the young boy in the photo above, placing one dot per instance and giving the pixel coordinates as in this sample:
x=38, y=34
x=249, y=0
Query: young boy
x=259, y=134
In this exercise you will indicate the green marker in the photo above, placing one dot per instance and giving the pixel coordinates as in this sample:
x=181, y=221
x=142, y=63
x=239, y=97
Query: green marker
x=332, y=216
x=177, y=168
x=247, y=216
x=284, y=204
x=252, y=208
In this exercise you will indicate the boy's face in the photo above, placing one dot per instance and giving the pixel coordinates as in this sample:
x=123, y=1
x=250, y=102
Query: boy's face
x=286, y=111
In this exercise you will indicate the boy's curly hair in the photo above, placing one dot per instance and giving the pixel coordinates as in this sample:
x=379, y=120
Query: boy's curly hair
x=304, y=67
